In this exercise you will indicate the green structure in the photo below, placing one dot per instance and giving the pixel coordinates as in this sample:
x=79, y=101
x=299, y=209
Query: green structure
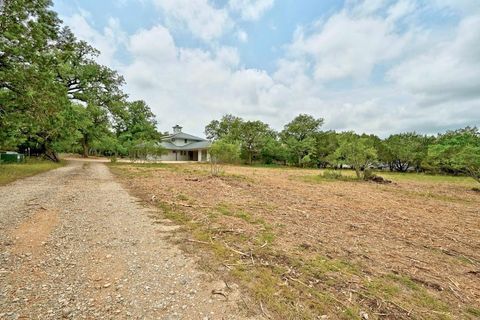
x=11, y=157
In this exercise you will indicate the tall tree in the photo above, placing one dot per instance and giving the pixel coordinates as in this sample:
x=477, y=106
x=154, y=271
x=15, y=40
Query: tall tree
x=136, y=127
x=227, y=128
x=299, y=136
x=31, y=103
x=253, y=136
x=86, y=81
x=357, y=151
x=404, y=150
x=457, y=151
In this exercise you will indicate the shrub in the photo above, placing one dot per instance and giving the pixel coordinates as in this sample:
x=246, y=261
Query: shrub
x=332, y=175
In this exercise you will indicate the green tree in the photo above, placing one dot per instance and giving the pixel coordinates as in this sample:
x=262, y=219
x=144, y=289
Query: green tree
x=97, y=86
x=325, y=145
x=357, y=151
x=299, y=137
x=457, y=152
x=404, y=150
x=136, y=129
x=253, y=135
x=273, y=151
x=222, y=152
x=227, y=128
x=33, y=109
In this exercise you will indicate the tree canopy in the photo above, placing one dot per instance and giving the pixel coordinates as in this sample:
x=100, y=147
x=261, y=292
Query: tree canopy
x=54, y=95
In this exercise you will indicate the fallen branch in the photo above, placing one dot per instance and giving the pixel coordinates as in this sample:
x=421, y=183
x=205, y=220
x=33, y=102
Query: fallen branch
x=221, y=293
x=234, y=250
x=263, y=311
x=198, y=241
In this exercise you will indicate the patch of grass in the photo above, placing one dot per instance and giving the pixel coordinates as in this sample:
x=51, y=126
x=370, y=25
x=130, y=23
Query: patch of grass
x=139, y=165
x=228, y=211
x=172, y=214
x=12, y=171
x=328, y=177
x=393, y=287
x=423, y=177
x=320, y=266
x=473, y=311
x=182, y=197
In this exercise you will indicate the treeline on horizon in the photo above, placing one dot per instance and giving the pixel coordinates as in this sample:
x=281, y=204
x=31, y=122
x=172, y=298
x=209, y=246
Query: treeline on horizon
x=303, y=143
x=55, y=97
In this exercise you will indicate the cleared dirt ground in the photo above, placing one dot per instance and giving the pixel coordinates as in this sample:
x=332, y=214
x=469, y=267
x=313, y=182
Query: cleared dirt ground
x=306, y=247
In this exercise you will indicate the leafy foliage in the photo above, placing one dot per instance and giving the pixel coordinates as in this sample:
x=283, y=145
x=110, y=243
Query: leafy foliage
x=457, y=151
x=221, y=152
x=54, y=96
x=299, y=136
x=356, y=151
x=405, y=150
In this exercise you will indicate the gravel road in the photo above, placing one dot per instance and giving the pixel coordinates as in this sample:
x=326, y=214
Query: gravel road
x=74, y=244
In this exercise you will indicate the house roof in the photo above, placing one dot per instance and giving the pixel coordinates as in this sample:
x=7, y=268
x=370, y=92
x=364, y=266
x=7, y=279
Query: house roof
x=182, y=135
x=204, y=144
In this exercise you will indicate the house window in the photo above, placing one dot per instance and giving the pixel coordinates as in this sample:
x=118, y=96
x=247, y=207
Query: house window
x=186, y=140
x=173, y=139
x=174, y=151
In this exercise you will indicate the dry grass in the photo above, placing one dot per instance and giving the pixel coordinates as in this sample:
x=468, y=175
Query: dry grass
x=12, y=171
x=304, y=246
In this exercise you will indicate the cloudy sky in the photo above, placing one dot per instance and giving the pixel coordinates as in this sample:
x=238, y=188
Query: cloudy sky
x=374, y=66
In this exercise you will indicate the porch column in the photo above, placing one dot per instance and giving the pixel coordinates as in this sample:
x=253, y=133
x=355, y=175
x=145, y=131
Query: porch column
x=199, y=158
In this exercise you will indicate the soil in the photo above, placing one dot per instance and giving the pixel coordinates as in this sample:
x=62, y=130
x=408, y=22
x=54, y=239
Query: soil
x=426, y=232
x=74, y=244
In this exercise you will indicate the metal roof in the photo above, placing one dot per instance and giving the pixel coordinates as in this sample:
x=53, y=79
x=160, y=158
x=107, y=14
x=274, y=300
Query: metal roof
x=204, y=144
x=182, y=135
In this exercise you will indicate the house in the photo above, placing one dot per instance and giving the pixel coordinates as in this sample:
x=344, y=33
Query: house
x=182, y=146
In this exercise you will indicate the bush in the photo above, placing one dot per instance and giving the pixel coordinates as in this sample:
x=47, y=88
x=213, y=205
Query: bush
x=332, y=175
x=222, y=152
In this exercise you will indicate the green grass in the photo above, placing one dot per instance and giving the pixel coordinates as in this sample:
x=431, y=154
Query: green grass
x=473, y=311
x=349, y=175
x=422, y=177
x=12, y=171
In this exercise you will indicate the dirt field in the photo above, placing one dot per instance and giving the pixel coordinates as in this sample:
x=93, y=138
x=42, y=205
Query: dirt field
x=306, y=247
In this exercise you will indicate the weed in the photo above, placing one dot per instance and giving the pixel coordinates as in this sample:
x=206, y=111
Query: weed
x=473, y=311
x=13, y=171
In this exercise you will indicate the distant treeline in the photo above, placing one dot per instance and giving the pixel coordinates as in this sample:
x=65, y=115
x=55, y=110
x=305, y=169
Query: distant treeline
x=302, y=143
x=55, y=97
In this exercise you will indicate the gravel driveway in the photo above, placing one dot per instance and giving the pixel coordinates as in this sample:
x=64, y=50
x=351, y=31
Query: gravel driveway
x=75, y=244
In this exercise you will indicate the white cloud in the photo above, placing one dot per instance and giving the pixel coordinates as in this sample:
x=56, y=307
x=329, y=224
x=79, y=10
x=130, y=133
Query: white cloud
x=191, y=86
x=462, y=6
x=202, y=19
x=153, y=45
x=449, y=70
x=242, y=36
x=351, y=43
x=433, y=83
x=250, y=9
x=108, y=41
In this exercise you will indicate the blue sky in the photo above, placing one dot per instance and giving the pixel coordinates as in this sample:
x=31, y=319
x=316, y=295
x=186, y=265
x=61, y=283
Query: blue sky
x=376, y=66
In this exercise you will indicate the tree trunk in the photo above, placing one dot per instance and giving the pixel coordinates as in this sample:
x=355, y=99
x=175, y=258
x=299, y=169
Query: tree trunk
x=51, y=155
x=357, y=171
x=85, y=146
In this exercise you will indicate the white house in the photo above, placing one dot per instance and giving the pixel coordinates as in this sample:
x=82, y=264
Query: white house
x=182, y=146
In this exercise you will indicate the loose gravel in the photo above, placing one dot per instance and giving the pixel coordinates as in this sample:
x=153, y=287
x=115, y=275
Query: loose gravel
x=74, y=244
